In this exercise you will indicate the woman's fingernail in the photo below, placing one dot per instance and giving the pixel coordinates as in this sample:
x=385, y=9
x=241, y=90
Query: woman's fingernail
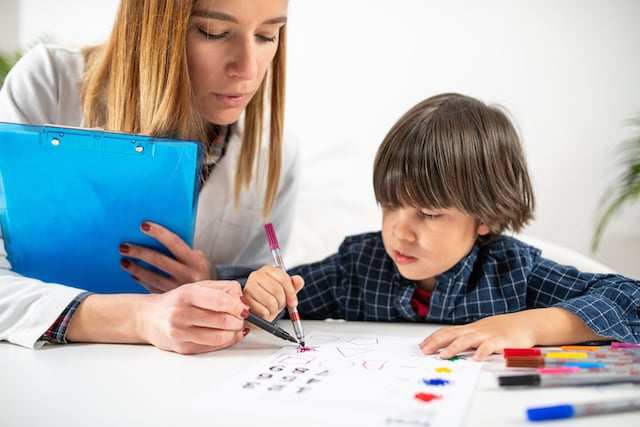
x=125, y=263
x=244, y=314
x=124, y=249
x=244, y=300
x=245, y=331
x=145, y=226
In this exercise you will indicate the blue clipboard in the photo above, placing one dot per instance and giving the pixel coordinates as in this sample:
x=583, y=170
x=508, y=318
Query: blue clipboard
x=70, y=196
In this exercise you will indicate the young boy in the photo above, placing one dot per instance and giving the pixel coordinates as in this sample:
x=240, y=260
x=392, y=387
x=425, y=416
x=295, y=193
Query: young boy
x=451, y=177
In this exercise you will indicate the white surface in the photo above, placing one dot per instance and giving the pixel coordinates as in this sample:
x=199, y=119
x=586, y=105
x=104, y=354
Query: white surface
x=126, y=385
x=567, y=70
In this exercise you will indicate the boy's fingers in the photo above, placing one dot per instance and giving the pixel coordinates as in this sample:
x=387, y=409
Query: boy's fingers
x=298, y=283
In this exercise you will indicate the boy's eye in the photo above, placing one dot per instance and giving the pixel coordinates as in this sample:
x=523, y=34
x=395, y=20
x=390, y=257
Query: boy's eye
x=428, y=215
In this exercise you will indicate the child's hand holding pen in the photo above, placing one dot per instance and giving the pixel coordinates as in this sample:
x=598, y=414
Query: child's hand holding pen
x=269, y=290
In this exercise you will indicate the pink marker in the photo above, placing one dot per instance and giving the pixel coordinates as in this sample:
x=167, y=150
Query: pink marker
x=559, y=370
x=617, y=344
x=277, y=257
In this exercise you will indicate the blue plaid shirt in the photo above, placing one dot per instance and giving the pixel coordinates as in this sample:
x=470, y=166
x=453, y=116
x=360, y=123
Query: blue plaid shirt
x=360, y=282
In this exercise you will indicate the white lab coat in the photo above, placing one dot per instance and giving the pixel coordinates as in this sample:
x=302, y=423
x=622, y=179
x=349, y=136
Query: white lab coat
x=44, y=87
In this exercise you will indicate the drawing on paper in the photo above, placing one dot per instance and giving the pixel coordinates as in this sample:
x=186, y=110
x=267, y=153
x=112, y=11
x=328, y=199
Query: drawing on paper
x=388, y=375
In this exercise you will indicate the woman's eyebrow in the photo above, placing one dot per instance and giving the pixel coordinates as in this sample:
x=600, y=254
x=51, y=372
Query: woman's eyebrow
x=212, y=14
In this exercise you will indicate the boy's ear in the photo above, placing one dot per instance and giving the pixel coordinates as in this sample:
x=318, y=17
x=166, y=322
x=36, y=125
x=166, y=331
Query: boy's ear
x=483, y=229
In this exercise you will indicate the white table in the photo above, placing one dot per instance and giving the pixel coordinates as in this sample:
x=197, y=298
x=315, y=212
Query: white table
x=121, y=385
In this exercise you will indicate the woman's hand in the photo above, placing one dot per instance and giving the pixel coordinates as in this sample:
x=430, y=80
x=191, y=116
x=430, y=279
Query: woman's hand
x=269, y=290
x=193, y=318
x=188, y=266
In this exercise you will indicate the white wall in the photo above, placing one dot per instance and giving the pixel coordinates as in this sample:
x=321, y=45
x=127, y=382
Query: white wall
x=68, y=22
x=566, y=69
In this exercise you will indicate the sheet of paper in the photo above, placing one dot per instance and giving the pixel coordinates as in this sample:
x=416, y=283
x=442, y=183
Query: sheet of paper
x=380, y=380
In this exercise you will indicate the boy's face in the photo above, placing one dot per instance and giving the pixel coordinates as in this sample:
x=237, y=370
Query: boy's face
x=424, y=243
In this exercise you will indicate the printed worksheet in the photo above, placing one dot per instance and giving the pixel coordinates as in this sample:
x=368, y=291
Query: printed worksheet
x=381, y=380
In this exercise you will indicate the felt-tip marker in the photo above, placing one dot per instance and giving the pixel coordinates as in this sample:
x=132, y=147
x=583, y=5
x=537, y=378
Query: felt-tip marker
x=274, y=246
x=555, y=412
x=577, y=352
x=568, y=379
x=270, y=327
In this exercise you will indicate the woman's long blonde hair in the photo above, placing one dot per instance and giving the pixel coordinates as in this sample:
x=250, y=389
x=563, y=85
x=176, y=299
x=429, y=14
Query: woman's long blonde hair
x=138, y=82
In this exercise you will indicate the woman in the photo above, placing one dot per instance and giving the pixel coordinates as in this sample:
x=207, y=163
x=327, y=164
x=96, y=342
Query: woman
x=210, y=70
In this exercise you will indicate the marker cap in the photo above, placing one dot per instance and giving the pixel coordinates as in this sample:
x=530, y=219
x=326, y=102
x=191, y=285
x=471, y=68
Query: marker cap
x=550, y=412
x=519, y=380
x=510, y=352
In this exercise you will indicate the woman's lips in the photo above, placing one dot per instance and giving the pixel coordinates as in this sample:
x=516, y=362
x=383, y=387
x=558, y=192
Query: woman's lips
x=235, y=100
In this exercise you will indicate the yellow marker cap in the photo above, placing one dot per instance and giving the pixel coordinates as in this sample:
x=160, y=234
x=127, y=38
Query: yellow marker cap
x=566, y=355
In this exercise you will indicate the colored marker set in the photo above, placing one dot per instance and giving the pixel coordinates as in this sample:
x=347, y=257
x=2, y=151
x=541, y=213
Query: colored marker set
x=575, y=366
x=586, y=357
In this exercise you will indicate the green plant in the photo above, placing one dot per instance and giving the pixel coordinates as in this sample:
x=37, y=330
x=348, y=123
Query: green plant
x=7, y=60
x=626, y=188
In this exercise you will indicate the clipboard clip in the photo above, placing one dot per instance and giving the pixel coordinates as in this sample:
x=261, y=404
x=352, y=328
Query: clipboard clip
x=94, y=139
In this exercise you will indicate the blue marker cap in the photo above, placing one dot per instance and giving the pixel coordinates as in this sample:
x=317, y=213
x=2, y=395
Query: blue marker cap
x=550, y=412
x=585, y=365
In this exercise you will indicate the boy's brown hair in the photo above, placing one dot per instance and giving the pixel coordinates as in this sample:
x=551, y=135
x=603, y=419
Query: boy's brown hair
x=453, y=151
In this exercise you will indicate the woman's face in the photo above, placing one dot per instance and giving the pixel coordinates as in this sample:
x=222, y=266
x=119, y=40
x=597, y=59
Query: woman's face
x=230, y=45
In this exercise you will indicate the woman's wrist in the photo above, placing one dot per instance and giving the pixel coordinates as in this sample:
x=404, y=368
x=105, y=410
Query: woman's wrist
x=109, y=319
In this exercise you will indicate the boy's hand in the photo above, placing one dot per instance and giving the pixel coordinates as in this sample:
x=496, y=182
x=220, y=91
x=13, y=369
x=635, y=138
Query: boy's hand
x=269, y=290
x=524, y=329
x=489, y=335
